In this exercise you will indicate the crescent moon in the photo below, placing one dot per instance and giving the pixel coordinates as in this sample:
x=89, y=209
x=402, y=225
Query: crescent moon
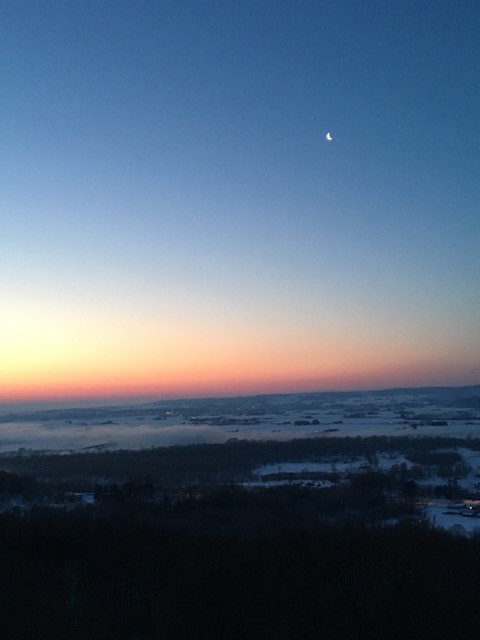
x=328, y=137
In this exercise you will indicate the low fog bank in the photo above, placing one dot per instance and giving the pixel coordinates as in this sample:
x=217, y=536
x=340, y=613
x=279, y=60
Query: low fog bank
x=58, y=437
x=432, y=412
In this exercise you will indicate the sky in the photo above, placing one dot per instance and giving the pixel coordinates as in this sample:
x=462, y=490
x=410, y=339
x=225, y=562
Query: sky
x=173, y=221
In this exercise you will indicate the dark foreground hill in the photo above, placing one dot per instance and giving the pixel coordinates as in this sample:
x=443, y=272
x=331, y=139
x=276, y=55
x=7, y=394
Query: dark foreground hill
x=80, y=577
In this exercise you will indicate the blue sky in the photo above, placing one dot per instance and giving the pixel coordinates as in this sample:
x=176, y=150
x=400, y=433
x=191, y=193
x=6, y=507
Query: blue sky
x=165, y=173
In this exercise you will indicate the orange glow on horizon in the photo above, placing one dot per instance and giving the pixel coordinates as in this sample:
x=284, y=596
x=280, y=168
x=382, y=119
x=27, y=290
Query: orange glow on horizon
x=52, y=354
x=204, y=385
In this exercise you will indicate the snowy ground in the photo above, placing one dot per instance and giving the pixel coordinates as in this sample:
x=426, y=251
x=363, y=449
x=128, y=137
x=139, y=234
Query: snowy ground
x=459, y=518
x=456, y=517
x=383, y=461
x=142, y=432
x=136, y=433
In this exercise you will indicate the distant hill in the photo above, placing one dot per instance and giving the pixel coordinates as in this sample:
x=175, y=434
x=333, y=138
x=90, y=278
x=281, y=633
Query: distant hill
x=467, y=397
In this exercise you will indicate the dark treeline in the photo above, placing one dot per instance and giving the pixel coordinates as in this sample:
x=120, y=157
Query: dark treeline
x=230, y=509
x=172, y=549
x=232, y=461
x=77, y=575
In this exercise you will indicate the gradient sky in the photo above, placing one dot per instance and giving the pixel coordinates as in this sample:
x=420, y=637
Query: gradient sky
x=173, y=221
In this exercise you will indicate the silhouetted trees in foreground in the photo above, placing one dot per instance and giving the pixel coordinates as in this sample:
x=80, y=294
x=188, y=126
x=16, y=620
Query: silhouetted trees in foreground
x=88, y=574
x=172, y=551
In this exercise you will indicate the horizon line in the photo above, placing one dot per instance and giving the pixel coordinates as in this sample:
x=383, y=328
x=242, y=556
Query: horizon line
x=134, y=400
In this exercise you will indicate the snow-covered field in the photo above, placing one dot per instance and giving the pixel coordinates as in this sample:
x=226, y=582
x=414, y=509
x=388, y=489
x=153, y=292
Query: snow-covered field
x=459, y=518
x=136, y=433
x=382, y=461
x=455, y=517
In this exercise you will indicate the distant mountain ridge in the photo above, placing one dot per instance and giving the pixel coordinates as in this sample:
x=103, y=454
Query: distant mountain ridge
x=465, y=396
